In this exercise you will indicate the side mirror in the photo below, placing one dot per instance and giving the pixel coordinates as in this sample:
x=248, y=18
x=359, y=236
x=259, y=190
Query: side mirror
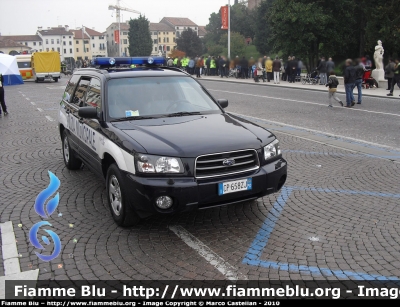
x=87, y=112
x=223, y=103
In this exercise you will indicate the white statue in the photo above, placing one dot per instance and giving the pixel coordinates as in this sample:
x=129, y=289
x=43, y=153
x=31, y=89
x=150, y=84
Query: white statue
x=378, y=56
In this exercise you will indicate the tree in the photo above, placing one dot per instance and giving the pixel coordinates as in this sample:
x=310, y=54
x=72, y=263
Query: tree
x=242, y=20
x=238, y=45
x=189, y=43
x=176, y=54
x=214, y=31
x=140, y=42
x=262, y=27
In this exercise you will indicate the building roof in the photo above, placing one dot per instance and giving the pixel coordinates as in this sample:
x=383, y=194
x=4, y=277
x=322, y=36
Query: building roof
x=124, y=26
x=6, y=42
x=78, y=34
x=55, y=31
x=160, y=27
x=202, y=30
x=92, y=32
x=24, y=38
x=178, y=21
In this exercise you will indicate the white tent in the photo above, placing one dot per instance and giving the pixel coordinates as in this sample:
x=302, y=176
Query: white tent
x=9, y=70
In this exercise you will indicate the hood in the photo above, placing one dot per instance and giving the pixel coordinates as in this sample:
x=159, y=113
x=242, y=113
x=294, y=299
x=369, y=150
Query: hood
x=191, y=136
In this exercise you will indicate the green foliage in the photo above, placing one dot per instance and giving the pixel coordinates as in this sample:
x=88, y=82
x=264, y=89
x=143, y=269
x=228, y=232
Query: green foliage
x=189, y=43
x=140, y=42
x=238, y=45
x=262, y=28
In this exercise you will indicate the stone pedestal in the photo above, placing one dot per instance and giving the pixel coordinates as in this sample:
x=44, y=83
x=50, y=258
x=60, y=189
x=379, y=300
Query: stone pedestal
x=378, y=75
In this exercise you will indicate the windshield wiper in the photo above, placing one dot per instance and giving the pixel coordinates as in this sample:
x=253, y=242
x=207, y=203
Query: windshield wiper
x=182, y=114
x=123, y=119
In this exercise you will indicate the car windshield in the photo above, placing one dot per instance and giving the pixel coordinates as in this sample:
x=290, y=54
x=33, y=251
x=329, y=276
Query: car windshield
x=141, y=98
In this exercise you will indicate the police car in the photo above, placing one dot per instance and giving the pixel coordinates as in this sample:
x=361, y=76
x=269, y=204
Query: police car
x=162, y=143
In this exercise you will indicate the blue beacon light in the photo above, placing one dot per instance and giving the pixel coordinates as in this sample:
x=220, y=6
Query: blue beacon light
x=111, y=62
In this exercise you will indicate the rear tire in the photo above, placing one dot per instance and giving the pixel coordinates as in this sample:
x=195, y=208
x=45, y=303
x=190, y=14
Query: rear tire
x=118, y=199
x=69, y=155
x=55, y=79
x=36, y=80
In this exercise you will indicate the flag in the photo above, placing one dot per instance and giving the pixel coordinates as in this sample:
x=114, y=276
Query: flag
x=224, y=17
x=116, y=36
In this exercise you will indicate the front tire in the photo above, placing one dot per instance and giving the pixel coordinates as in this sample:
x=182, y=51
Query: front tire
x=118, y=199
x=55, y=79
x=69, y=155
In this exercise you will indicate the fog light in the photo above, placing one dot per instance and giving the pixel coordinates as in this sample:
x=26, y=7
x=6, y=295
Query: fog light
x=164, y=202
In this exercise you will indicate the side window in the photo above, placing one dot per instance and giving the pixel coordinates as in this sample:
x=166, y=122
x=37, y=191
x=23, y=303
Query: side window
x=93, y=96
x=69, y=90
x=79, y=96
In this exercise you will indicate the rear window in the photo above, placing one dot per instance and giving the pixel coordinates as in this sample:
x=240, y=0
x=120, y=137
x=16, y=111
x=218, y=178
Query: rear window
x=24, y=64
x=157, y=96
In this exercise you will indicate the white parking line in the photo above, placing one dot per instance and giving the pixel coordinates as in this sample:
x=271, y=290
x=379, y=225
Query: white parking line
x=302, y=101
x=9, y=249
x=33, y=103
x=27, y=98
x=229, y=271
x=40, y=110
x=50, y=119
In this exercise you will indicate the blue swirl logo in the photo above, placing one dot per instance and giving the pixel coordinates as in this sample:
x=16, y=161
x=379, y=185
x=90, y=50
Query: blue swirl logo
x=45, y=210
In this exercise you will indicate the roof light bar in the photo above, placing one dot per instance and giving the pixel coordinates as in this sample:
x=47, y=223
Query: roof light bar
x=111, y=62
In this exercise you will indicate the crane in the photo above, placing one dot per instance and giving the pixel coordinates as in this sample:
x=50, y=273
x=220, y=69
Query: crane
x=118, y=10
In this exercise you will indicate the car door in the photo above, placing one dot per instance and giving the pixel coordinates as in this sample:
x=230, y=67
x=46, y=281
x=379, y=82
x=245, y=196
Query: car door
x=91, y=126
x=75, y=124
x=67, y=109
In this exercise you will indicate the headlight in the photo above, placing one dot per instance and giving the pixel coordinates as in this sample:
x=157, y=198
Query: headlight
x=272, y=150
x=158, y=164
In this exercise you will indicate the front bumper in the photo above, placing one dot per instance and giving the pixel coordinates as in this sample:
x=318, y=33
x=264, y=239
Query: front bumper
x=191, y=194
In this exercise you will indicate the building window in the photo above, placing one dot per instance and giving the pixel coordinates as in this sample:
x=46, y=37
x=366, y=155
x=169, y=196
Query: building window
x=64, y=43
x=70, y=50
x=65, y=51
x=58, y=49
x=155, y=41
x=168, y=49
x=47, y=41
x=93, y=45
x=173, y=33
x=159, y=33
x=77, y=42
x=163, y=33
x=155, y=48
x=52, y=41
x=40, y=49
x=125, y=41
x=26, y=44
x=34, y=43
x=52, y=49
x=167, y=39
x=124, y=33
x=69, y=36
x=87, y=49
x=159, y=39
x=77, y=49
x=63, y=36
x=70, y=43
x=58, y=41
x=47, y=49
x=40, y=43
x=86, y=42
x=164, y=40
x=92, y=37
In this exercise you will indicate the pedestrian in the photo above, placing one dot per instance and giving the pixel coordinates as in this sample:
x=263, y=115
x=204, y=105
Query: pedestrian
x=207, y=66
x=293, y=69
x=191, y=65
x=252, y=62
x=259, y=71
x=333, y=83
x=396, y=77
x=2, y=99
x=322, y=69
x=389, y=73
x=276, y=67
x=330, y=66
x=222, y=67
x=244, y=68
x=199, y=65
x=268, y=69
x=349, y=80
x=170, y=62
x=213, y=66
x=359, y=67
x=299, y=69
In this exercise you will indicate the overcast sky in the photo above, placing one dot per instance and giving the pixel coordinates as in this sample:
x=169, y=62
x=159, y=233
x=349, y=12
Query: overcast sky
x=18, y=17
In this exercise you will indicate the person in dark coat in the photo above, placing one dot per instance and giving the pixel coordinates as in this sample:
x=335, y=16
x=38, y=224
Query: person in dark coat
x=2, y=100
x=322, y=69
x=244, y=68
x=222, y=67
x=293, y=69
x=349, y=82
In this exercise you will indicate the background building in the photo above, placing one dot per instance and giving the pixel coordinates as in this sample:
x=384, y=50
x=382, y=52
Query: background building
x=98, y=42
x=112, y=47
x=180, y=24
x=58, y=39
x=34, y=42
x=163, y=37
x=9, y=46
x=81, y=45
x=202, y=31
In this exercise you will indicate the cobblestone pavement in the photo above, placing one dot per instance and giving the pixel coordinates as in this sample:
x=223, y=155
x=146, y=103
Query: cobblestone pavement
x=338, y=216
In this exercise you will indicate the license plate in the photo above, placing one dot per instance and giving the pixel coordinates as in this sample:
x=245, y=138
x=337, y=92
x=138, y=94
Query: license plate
x=235, y=186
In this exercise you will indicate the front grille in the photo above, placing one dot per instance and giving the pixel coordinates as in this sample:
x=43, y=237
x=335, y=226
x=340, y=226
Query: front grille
x=212, y=165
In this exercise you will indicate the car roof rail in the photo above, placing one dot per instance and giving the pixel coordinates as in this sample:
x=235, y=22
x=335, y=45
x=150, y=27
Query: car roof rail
x=174, y=68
